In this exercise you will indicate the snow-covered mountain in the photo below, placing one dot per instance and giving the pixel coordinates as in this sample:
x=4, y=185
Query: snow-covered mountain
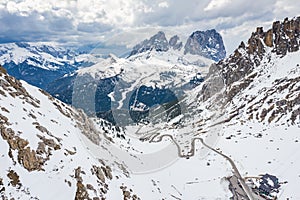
x=208, y=44
x=154, y=74
x=41, y=63
x=235, y=135
x=114, y=82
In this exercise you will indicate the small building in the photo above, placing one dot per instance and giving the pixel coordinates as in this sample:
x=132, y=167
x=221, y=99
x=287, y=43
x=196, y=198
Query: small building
x=268, y=184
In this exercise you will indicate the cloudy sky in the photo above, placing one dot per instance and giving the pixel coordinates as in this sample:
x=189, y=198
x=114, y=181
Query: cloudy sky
x=127, y=22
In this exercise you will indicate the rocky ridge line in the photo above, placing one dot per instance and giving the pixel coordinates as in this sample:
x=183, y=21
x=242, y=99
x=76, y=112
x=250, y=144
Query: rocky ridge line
x=230, y=76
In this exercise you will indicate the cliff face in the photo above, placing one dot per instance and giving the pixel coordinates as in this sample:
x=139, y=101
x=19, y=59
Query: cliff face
x=206, y=43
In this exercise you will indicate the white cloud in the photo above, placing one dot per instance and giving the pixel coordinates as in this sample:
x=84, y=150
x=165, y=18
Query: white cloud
x=123, y=21
x=11, y=7
x=216, y=4
x=163, y=4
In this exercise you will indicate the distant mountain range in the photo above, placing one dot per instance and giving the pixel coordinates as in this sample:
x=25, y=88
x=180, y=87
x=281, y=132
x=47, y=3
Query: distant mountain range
x=41, y=63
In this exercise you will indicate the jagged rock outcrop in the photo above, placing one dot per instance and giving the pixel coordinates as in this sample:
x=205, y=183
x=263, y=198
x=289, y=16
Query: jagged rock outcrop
x=81, y=191
x=175, y=43
x=206, y=43
x=286, y=36
x=26, y=156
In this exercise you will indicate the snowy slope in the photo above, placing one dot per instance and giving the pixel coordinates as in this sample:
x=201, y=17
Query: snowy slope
x=42, y=155
x=48, y=146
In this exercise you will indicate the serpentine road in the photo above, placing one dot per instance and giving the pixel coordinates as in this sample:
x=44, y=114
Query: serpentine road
x=236, y=172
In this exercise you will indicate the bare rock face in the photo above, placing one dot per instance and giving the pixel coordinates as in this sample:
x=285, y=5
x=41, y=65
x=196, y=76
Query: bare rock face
x=127, y=194
x=206, y=43
x=26, y=156
x=2, y=70
x=255, y=44
x=268, y=40
x=107, y=172
x=81, y=192
x=285, y=36
x=97, y=171
x=29, y=159
x=14, y=178
x=175, y=43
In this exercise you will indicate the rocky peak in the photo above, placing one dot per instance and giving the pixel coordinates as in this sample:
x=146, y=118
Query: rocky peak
x=175, y=43
x=286, y=36
x=282, y=37
x=206, y=43
x=157, y=42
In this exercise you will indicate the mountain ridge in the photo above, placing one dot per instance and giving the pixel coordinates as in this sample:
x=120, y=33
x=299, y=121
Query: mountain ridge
x=208, y=44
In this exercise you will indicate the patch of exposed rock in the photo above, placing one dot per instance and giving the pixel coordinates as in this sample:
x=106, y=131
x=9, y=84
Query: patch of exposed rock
x=208, y=44
x=81, y=191
x=14, y=178
x=14, y=88
x=128, y=194
x=26, y=156
x=175, y=43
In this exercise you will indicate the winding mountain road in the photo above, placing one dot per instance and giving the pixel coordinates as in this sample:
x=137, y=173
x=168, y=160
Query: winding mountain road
x=236, y=172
